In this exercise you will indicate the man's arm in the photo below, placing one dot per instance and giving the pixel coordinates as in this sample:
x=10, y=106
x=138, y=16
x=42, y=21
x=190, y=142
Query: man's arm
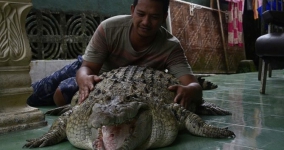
x=94, y=57
x=188, y=92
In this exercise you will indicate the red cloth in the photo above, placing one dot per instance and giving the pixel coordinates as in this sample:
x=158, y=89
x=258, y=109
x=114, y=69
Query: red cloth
x=235, y=22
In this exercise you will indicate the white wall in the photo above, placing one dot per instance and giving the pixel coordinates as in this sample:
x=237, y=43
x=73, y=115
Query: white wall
x=43, y=68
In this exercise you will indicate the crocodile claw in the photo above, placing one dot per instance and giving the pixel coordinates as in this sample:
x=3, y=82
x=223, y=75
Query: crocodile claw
x=34, y=143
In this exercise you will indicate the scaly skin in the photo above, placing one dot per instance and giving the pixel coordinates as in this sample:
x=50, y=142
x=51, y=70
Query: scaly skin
x=131, y=109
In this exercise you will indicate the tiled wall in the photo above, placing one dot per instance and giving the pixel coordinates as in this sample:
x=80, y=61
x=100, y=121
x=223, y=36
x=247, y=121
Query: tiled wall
x=43, y=68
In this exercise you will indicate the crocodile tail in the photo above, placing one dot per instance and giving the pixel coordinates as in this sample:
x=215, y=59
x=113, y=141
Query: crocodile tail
x=211, y=109
x=59, y=110
x=206, y=85
x=196, y=126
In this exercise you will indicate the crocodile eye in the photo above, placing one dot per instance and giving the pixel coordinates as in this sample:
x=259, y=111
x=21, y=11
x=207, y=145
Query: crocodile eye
x=134, y=96
x=129, y=97
x=107, y=98
x=134, y=87
x=99, y=91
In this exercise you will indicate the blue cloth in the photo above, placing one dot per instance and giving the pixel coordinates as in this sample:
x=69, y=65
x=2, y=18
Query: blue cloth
x=270, y=6
x=68, y=88
x=45, y=88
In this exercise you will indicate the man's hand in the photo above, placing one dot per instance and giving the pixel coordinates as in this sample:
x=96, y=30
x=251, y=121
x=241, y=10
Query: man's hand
x=86, y=85
x=87, y=78
x=187, y=94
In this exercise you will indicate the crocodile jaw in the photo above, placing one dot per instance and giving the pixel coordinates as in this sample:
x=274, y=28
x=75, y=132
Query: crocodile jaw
x=128, y=135
x=113, y=137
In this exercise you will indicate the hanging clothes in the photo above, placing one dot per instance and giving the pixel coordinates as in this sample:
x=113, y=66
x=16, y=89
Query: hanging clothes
x=255, y=5
x=259, y=2
x=270, y=5
x=235, y=22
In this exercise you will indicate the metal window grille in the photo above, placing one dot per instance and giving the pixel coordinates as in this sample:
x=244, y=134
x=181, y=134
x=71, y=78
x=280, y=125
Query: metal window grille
x=60, y=35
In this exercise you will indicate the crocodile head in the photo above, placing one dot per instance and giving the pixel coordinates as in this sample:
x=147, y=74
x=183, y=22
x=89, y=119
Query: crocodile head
x=120, y=122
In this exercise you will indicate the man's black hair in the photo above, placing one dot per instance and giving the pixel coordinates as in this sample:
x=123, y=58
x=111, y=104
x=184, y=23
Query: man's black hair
x=165, y=4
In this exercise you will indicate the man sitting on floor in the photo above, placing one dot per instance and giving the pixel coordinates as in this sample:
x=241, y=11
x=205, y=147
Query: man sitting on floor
x=59, y=87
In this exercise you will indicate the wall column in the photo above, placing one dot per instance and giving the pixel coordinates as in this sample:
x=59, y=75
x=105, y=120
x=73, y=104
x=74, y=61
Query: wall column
x=15, y=58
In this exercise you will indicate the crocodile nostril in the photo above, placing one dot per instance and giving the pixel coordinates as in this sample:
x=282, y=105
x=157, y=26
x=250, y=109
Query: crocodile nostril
x=146, y=90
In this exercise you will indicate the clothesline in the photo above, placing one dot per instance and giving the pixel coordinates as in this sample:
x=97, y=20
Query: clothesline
x=200, y=6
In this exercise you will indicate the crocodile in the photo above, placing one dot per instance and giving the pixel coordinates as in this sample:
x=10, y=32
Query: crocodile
x=131, y=108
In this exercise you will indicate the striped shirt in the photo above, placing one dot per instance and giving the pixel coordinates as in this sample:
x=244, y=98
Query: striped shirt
x=111, y=46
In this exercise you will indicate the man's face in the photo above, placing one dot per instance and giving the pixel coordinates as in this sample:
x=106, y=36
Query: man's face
x=148, y=16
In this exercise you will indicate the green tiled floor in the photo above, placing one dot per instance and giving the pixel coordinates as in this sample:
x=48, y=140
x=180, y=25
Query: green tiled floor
x=257, y=120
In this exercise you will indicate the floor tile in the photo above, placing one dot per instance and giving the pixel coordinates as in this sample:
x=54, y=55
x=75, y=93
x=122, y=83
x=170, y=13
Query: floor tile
x=257, y=119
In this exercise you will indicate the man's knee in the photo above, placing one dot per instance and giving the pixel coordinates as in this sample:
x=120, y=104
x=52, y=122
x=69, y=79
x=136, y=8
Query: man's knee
x=67, y=89
x=58, y=98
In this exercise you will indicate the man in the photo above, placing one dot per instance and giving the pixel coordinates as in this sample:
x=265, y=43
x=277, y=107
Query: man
x=138, y=39
x=57, y=88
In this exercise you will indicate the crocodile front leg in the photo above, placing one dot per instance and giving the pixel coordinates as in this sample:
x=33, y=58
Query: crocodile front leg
x=55, y=134
x=196, y=126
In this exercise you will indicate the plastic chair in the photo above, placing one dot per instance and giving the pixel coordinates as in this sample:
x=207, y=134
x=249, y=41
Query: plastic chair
x=270, y=47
